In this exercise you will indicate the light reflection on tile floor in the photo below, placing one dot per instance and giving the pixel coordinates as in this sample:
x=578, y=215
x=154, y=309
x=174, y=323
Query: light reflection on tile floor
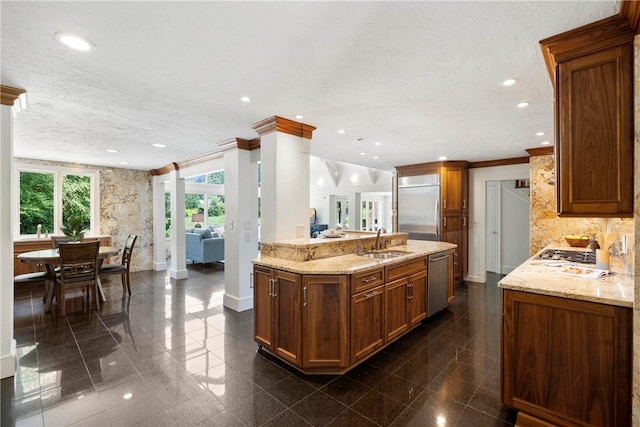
x=172, y=355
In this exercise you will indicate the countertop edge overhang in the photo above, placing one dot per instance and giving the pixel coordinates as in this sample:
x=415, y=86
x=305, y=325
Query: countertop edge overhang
x=534, y=276
x=353, y=263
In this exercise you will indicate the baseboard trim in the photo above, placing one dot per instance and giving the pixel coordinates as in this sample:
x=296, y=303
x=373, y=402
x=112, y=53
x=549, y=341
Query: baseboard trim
x=236, y=304
x=8, y=362
x=178, y=274
x=160, y=266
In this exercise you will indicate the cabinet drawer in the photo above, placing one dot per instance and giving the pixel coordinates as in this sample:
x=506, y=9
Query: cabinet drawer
x=364, y=281
x=401, y=270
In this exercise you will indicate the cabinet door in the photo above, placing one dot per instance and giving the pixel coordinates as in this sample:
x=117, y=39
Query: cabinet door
x=566, y=361
x=417, y=297
x=452, y=233
x=395, y=308
x=263, y=315
x=465, y=189
x=464, y=246
x=367, y=323
x=451, y=279
x=287, y=315
x=594, y=152
x=451, y=189
x=325, y=321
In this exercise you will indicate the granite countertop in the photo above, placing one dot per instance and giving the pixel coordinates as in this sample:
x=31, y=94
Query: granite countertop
x=352, y=263
x=536, y=277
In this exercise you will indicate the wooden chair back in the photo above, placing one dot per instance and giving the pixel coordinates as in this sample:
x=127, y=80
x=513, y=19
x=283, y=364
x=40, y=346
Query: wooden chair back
x=79, y=262
x=128, y=250
x=56, y=240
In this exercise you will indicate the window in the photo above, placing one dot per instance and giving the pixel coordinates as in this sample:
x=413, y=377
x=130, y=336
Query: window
x=50, y=195
x=205, y=194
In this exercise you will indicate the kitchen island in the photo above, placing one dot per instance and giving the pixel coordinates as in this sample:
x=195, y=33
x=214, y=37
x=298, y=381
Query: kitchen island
x=566, y=346
x=323, y=306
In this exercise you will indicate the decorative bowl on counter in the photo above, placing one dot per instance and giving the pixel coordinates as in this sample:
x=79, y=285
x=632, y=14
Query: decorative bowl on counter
x=577, y=241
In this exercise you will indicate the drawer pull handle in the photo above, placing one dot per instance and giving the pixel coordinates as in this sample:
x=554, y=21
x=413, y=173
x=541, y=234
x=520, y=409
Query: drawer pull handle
x=370, y=294
x=370, y=279
x=304, y=296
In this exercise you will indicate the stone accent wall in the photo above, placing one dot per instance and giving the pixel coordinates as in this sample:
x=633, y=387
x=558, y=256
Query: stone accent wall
x=547, y=228
x=126, y=207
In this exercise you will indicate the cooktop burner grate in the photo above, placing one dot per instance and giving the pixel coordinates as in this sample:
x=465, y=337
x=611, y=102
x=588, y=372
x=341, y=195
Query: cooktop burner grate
x=582, y=257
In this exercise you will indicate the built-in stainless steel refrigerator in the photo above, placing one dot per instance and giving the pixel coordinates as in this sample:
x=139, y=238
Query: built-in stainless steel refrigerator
x=418, y=200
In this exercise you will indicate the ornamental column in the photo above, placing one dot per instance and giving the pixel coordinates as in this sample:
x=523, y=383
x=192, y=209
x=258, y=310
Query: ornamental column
x=284, y=190
x=241, y=220
x=8, y=96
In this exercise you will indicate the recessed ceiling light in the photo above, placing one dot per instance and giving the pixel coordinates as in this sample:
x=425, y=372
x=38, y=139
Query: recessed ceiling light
x=159, y=145
x=376, y=157
x=245, y=99
x=341, y=131
x=75, y=42
x=363, y=154
x=546, y=142
x=124, y=163
x=299, y=117
x=540, y=134
x=442, y=158
x=523, y=104
x=509, y=82
x=111, y=150
x=377, y=143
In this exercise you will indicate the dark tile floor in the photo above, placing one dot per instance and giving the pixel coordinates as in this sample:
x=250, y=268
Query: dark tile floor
x=172, y=355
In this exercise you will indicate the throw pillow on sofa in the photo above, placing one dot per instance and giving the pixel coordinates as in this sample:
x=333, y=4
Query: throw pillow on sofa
x=206, y=234
x=219, y=231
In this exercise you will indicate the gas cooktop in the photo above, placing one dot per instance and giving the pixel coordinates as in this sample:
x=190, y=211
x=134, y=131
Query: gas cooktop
x=582, y=256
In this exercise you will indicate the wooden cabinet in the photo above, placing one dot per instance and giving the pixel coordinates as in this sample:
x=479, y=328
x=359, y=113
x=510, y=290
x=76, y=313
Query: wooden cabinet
x=325, y=321
x=367, y=323
x=452, y=232
x=405, y=297
x=565, y=361
x=454, y=199
x=326, y=324
x=451, y=282
x=277, y=312
x=22, y=246
x=594, y=118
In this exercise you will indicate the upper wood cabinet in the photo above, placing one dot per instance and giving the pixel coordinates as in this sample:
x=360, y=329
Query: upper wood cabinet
x=594, y=118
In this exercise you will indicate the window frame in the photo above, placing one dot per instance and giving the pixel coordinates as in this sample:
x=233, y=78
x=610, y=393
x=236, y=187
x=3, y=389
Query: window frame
x=58, y=172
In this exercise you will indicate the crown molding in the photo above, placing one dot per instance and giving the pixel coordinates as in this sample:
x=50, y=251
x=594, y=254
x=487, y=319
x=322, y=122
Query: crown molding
x=280, y=124
x=630, y=10
x=9, y=94
x=540, y=151
x=165, y=169
x=500, y=162
x=605, y=33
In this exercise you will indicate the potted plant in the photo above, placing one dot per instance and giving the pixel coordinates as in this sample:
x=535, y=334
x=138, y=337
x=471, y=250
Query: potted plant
x=74, y=228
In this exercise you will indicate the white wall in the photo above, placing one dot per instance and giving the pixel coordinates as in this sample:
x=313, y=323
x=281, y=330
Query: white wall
x=350, y=179
x=477, y=218
x=514, y=226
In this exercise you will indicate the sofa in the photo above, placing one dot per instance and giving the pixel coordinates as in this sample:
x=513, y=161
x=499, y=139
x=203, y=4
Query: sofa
x=204, y=245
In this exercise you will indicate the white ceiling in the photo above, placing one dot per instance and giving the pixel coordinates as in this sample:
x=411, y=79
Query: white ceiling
x=421, y=78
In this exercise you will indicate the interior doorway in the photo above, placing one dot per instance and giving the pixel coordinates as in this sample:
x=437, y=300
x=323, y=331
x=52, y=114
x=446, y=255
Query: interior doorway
x=508, y=224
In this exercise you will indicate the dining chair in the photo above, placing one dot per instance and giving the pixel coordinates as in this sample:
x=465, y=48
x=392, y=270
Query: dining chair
x=123, y=268
x=56, y=240
x=79, y=267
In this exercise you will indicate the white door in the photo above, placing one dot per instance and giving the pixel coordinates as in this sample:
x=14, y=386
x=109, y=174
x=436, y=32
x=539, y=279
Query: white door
x=493, y=226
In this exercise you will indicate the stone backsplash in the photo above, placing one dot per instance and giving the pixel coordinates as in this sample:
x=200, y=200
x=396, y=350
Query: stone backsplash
x=301, y=250
x=547, y=228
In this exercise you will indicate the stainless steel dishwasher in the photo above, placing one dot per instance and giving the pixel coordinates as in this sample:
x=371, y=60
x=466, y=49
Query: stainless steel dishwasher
x=437, y=283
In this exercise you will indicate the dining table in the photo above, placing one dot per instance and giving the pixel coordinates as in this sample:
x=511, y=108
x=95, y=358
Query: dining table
x=50, y=258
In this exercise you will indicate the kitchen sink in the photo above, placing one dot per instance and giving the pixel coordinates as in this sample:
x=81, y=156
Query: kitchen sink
x=384, y=255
